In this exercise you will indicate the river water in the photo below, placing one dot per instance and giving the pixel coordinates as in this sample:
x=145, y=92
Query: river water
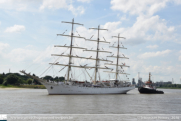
x=37, y=101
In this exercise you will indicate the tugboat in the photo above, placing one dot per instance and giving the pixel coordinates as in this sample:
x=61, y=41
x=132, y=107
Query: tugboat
x=148, y=88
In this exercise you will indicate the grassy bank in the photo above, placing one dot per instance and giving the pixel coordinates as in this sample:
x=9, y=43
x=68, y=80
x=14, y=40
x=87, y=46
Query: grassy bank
x=24, y=86
x=8, y=86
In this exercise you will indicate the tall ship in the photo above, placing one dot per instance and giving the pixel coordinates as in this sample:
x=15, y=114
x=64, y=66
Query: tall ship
x=95, y=85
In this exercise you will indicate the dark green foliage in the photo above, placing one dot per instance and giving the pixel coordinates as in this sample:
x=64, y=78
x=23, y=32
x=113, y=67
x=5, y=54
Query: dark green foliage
x=57, y=79
x=20, y=81
x=23, y=77
x=17, y=79
x=61, y=78
x=36, y=82
x=1, y=79
x=29, y=81
x=48, y=78
x=171, y=86
x=12, y=79
x=178, y=85
x=5, y=83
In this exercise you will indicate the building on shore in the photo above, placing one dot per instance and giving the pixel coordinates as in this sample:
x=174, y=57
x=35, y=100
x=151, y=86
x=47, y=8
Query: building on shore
x=140, y=82
x=133, y=81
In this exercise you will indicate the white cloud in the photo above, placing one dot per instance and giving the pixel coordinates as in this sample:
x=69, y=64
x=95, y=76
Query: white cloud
x=154, y=54
x=84, y=1
x=33, y=5
x=79, y=10
x=151, y=28
x=3, y=46
x=123, y=18
x=138, y=6
x=21, y=54
x=15, y=28
x=0, y=22
x=144, y=29
x=171, y=29
x=177, y=2
x=112, y=25
x=152, y=46
x=179, y=58
x=28, y=53
x=162, y=70
x=19, y=5
x=53, y=4
x=46, y=54
x=159, y=72
x=66, y=4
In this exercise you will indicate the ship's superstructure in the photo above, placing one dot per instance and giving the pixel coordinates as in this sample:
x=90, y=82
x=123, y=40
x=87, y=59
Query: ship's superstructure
x=95, y=85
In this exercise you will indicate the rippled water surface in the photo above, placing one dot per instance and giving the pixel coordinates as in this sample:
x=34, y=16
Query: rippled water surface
x=37, y=101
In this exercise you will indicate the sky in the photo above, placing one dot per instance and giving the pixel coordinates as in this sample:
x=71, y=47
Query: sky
x=29, y=28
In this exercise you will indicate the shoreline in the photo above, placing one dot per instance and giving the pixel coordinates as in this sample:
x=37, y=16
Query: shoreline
x=22, y=87
x=9, y=88
x=42, y=87
x=165, y=88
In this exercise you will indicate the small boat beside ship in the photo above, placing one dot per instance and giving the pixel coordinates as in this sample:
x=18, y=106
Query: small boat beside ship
x=149, y=88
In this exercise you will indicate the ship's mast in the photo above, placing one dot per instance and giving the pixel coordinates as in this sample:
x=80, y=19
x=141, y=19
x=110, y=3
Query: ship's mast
x=117, y=57
x=70, y=55
x=71, y=45
x=149, y=77
x=96, y=65
x=70, y=58
x=97, y=51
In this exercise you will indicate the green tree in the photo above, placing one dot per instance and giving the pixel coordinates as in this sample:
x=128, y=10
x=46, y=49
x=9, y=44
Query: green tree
x=5, y=83
x=36, y=82
x=12, y=79
x=29, y=81
x=61, y=78
x=1, y=79
x=20, y=81
x=56, y=79
x=48, y=78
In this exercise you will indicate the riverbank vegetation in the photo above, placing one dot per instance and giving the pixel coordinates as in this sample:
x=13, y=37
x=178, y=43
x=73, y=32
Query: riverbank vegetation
x=24, y=86
x=16, y=80
x=171, y=86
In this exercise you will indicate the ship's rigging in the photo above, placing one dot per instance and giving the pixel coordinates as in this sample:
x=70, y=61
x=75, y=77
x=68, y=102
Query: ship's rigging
x=121, y=71
x=70, y=55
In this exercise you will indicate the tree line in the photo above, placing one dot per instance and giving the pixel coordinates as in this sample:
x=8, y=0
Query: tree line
x=17, y=79
x=171, y=85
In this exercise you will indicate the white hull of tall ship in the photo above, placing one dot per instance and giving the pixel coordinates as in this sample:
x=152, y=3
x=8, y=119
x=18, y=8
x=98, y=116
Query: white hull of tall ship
x=62, y=89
